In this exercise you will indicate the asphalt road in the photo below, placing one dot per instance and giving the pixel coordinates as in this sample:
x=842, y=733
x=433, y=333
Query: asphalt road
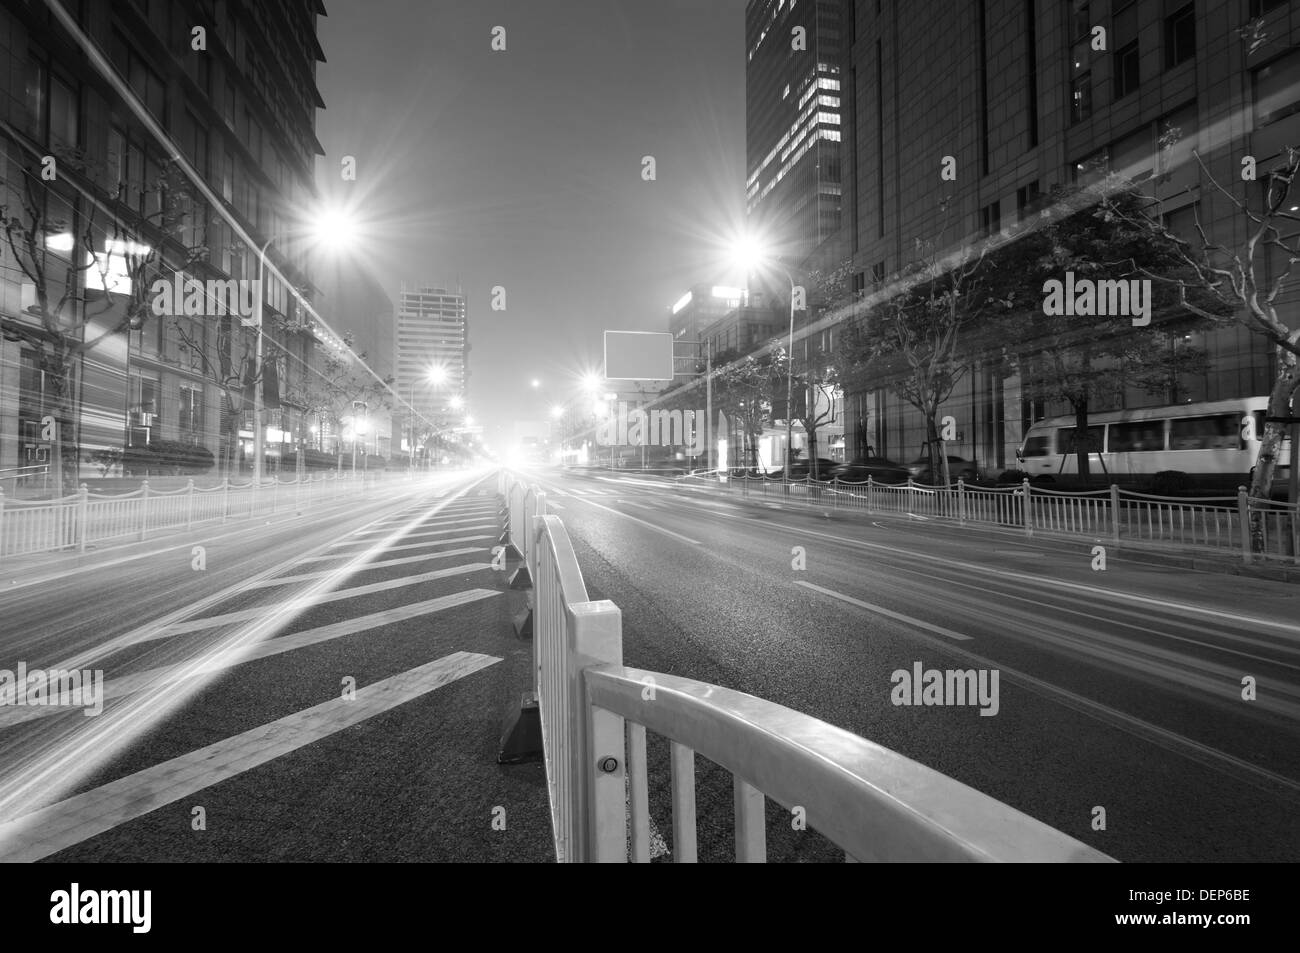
x=327, y=687
x=332, y=686
x=1119, y=689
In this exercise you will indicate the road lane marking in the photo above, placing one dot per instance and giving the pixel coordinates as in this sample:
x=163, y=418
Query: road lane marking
x=383, y=564
x=61, y=825
x=1020, y=578
x=243, y=615
x=636, y=519
x=424, y=545
x=896, y=616
x=167, y=675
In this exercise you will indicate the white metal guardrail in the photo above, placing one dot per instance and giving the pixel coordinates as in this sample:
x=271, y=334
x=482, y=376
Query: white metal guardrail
x=1210, y=524
x=73, y=522
x=873, y=803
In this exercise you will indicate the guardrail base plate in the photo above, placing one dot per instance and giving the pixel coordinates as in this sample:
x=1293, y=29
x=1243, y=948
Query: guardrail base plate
x=522, y=738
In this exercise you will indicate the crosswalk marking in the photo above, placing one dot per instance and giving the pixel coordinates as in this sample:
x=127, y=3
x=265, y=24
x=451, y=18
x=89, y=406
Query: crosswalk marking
x=382, y=564
x=171, y=674
x=432, y=532
x=243, y=615
x=477, y=518
x=387, y=549
x=73, y=820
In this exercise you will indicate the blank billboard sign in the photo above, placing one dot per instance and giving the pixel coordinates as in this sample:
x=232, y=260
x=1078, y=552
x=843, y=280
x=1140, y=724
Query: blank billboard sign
x=638, y=356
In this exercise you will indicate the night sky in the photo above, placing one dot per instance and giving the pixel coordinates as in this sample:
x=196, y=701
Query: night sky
x=522, y=168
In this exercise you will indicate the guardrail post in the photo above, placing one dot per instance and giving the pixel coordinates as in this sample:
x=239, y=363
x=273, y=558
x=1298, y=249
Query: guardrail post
x=1295, y=532
x=83, y=516
x=961, y=501
x=189, y=503
x=534, y=528
x=1243, y=515
x=911, y=495
x=1114, y=514
x=599, y=752
x=144, y=508
x=1028, y=505
x=225, y=498
x=2, y=520
x=870, y=486
x=275, y=493
x=835, y=491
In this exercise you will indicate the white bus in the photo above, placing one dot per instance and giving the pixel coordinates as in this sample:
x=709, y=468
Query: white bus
x=1211, y=442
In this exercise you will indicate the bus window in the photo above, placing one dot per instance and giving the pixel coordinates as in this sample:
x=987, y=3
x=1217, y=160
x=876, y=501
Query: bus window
x=1036, y=447
x=1137, y=436
x=1219, y=432
x=1065, y=440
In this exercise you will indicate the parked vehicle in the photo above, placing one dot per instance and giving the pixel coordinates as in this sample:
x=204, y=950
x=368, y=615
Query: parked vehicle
x=879, y=469
x=959, y=468
x=1215, y=443
x=803, y=470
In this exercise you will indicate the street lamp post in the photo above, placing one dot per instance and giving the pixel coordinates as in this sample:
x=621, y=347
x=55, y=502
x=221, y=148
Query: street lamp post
x=789, y=384
x=751, y=257
x=257, y=365
x=357, y=430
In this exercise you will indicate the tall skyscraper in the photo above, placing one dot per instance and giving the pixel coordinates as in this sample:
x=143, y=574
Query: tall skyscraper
x=795, y=79
x=432, y=331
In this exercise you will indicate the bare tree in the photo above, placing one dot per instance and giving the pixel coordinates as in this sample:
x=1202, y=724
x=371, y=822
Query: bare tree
x=1246, y=283
x=913, y=333
x=90, y=261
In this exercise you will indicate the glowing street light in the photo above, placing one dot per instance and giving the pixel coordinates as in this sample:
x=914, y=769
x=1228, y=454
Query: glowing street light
x=329, y=227
x=436, y=375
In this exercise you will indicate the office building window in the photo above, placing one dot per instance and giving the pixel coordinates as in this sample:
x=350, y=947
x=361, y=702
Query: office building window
x=1028, y=199
x=1260, y=7
x=991, y=219
x=1180, y=36
x=1277, y=90
x=1080, y=17
x=1126, y=70
x=1081, y=98
x=190, y=423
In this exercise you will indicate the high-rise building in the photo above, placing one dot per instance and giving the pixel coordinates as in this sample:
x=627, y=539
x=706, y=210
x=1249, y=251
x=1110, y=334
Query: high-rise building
x=796, y=123
x=1019, y=96
x=432, y=332
x=241, y=111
